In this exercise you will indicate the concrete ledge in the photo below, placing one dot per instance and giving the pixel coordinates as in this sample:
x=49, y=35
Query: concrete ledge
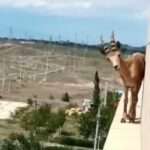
x=124, y=136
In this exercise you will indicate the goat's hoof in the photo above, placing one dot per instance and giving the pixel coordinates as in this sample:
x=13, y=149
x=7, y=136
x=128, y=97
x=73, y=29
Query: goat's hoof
x=131, y=121
x=123, y=120
x=129, y=117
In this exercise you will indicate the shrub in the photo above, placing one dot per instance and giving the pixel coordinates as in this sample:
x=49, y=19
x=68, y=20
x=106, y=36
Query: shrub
x=87, y=123
x=56, y=121
x=66, y=97
x=21, y=142
x=66, y=133
x=72, y=105
x=30, y=101
x=8, y=145
x=36, y=117
x=13, y=136
x=58, y=148
x=42, y=118
x=65, y=140
x=19, y=112
x=51, y=97
x=107, y=114
x=35, y=96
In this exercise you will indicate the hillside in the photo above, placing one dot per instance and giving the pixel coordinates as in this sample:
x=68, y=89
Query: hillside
x=127, y=49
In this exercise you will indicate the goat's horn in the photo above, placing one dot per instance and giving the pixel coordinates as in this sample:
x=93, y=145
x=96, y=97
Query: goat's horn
x=113, y=36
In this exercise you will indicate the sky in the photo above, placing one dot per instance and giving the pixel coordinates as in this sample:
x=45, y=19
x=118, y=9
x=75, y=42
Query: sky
x=76, y=20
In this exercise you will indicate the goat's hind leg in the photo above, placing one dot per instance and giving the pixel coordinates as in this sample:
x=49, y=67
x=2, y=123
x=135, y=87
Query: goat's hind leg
x=132, y=110
x=124, y=117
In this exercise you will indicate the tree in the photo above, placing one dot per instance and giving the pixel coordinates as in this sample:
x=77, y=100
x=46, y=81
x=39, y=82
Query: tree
x=96, y=92
x=88, y=121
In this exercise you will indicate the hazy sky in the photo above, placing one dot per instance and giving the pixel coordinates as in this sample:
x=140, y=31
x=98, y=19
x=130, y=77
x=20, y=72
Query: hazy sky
x=76, y=20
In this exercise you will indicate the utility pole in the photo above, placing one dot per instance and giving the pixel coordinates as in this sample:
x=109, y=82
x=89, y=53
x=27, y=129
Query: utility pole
x=4, y=75
x=10, y=32
x=96, y=97
x=101, y=40
x=47, y=67
x=20, y=68
x=50, y=38
x=59, y=37
x=9, y=85
x=84, y=53
x=105, y=93
x=87, y=39
x=76, y=38
x=97, y=136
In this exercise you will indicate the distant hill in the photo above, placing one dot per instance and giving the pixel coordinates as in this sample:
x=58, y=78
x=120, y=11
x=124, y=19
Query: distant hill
x=131, y=49
x=127, y=49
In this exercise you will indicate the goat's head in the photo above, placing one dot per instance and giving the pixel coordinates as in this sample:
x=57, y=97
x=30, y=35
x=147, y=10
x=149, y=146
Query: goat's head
x=112, y=52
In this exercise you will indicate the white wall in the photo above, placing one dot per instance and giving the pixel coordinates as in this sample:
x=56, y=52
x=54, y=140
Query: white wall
x=145, y=127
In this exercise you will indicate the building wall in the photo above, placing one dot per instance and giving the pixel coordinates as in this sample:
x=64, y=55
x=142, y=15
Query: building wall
x=145, y=126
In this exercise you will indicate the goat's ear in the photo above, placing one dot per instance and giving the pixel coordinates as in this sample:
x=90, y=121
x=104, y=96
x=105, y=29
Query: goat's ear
x=118, y=44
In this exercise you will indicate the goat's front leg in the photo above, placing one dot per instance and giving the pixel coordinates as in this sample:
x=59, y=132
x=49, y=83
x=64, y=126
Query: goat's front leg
x=132, y=110
x=124, y=117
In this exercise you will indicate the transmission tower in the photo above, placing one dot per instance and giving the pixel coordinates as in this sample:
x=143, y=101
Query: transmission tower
x=11, y=32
